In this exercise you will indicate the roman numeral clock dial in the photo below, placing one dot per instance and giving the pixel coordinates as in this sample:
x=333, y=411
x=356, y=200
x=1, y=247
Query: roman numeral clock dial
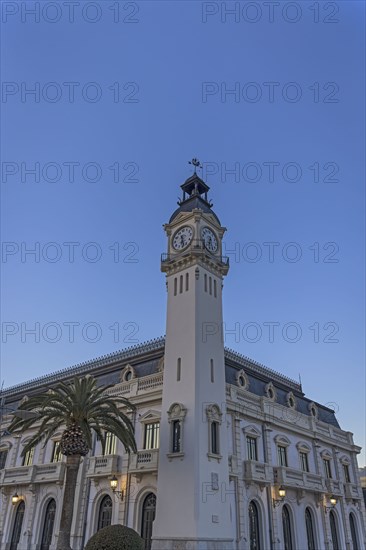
x=182, y=237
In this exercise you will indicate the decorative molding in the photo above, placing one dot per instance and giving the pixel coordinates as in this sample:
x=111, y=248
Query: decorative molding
x=128, y=373
x=270, y=391
x=150, y=416
x=214, y=413
x=242, y=380
x=303, y=447
x=313, y=410
x=282, y=440
x=251, y=431
x=291, y=400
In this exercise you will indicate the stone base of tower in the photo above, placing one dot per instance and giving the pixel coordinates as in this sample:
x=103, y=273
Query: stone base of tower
x=191, y=544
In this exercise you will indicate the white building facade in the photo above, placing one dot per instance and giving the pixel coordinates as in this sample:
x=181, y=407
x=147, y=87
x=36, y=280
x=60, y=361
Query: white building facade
x=232, y=455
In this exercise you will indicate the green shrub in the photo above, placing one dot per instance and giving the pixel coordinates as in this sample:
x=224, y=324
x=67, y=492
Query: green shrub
x=115, y=537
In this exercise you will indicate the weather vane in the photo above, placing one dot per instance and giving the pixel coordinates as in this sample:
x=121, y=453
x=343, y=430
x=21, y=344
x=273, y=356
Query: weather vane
x=196, y=163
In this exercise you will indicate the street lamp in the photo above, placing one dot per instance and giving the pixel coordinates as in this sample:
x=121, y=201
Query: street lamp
x=282, y=494
x=15, y=499
x=332, y=501
x=114, y=485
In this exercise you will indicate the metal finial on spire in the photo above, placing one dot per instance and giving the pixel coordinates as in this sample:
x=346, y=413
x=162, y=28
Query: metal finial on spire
x=196, y=163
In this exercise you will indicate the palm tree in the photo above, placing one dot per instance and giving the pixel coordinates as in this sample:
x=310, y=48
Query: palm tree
x=81, y=408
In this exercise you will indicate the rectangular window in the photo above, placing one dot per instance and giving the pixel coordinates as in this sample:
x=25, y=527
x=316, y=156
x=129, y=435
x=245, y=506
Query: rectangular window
x=179, y=364
x=56, y=452
x=347, y=477
x=187, y=281
x=175, y=286
x=176, y=436
x=215, y=288
x=205, y=279
x=215, y=438
x=110, y=444
x=304, y=463
x=152, y=436
x=282, y=455
x=28, y=457
x=3, y=457
x=327, y=468
x=252, y=448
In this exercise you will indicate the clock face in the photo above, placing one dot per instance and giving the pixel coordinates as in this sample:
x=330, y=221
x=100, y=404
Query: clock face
x=182, y=237
x=209, y=239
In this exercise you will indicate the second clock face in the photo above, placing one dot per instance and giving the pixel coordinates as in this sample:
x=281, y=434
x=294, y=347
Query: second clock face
x=210, y=240
x=182, y=237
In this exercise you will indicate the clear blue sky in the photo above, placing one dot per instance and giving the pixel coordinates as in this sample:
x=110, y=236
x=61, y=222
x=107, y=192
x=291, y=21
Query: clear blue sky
x=298, y=76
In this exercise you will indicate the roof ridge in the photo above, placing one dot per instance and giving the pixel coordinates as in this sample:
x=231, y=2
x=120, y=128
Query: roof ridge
x=262, y=367
x=125, y=353
x=131, y=351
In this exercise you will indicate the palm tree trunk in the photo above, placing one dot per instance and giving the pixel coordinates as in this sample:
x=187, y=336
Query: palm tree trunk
x=72, y=469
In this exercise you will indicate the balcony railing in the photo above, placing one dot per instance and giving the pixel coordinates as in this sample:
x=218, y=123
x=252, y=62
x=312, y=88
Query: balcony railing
x=289, y=477
x=198, y=251
x=352, y=491
x=38, y=473
x=333, y=486
x=144, y=461
x=257, y=472
x=103, y=466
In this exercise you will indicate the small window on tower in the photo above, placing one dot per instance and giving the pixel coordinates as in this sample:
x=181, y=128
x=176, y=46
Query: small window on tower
x=187, y=281
x=215, y=438
x=181, y=284
x=210, y=284
x=215, y=288
x=205, y=279
x=212, y=370
x=176, y=436
x=179, y=362
x=214, y=419
x=175, y=286
x=176, y=415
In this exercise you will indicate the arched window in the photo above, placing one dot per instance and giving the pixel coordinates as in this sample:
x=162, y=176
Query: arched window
x=333, y=531
x=352, y=525
x=49, y=521
x=105, y=513
x=148, y=516
x=17, y=529
x=310, y=529
x=286, y=526
x=254, y=526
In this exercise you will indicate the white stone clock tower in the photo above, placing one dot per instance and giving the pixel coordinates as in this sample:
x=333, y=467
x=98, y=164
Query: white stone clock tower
x=193, y=476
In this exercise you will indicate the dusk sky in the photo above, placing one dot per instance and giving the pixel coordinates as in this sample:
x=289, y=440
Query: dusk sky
x=269, y=97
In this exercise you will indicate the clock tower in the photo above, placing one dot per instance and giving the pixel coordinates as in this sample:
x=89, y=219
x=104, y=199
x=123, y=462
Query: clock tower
x=193, y=510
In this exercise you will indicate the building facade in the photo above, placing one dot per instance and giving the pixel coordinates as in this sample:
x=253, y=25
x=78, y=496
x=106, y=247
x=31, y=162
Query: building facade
x=231, y=454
